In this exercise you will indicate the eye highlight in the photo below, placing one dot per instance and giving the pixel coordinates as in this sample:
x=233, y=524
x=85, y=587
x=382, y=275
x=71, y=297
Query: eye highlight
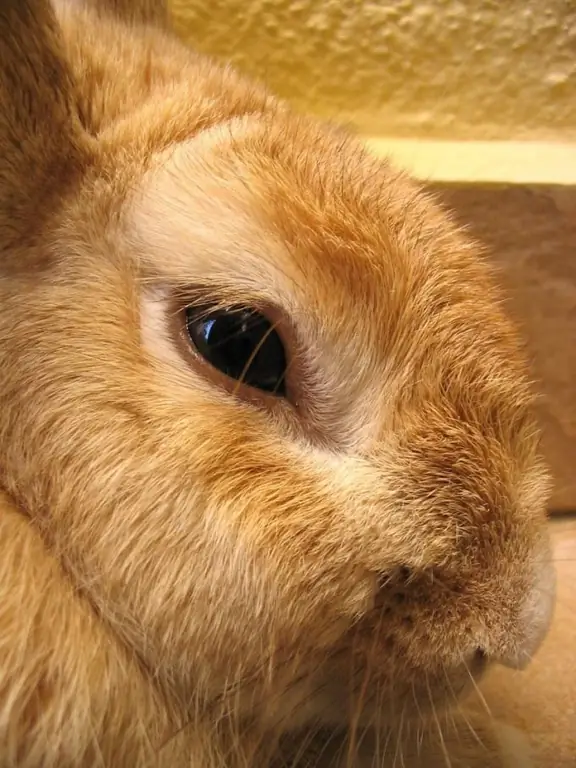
x=241, y=343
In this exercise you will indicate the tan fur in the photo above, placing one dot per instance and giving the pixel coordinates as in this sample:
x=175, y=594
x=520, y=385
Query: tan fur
x=189, y=577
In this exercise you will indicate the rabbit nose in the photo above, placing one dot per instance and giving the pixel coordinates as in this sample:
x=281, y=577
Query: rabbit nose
x=534, y=618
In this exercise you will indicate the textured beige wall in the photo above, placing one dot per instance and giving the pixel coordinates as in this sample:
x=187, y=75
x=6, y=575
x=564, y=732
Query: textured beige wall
x=435, y=68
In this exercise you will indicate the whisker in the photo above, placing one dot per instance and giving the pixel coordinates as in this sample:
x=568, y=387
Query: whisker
x=399, y=752
x=253, y=356
x=462, y=712
x=438, y=726
x=355, y=718
x=305, y=744
x=388, y=737
x=378, y=708
x=326, y=745
x=477, y=689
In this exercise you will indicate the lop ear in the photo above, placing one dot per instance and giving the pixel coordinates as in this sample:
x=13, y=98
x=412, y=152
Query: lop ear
x=41, y=140
x=152, y=12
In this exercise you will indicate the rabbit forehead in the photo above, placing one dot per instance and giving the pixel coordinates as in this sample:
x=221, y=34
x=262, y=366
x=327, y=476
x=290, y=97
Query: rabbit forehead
x=303, y=218
x=244, y=207
x=188, y=226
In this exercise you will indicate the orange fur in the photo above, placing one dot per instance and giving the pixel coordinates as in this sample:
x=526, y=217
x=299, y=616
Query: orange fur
x=190, y=576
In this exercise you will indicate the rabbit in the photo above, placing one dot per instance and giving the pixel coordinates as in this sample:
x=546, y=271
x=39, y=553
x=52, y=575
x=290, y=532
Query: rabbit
x=271, y=490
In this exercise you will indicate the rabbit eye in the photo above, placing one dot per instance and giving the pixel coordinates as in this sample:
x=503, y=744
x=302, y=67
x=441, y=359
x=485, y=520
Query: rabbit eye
x=241, y=343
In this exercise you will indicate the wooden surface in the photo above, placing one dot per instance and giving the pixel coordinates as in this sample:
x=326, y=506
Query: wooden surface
x=541, y=701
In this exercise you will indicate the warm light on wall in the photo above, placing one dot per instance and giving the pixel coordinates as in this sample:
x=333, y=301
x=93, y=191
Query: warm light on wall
x=458, y=69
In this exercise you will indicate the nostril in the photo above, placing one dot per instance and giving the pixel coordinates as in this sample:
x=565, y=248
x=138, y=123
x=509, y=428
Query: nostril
x=479, y=660
x=404, y=574
x=392, y=589
x=396, y=578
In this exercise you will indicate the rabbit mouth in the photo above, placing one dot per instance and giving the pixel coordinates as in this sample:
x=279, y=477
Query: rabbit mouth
x=348, y=719
x=382, y=702
x=346, y=703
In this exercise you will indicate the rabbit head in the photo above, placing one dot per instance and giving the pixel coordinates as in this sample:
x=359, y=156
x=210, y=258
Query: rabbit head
x=258, y=394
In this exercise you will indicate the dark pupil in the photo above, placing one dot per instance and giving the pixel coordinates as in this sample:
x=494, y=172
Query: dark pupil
x=242, y=344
